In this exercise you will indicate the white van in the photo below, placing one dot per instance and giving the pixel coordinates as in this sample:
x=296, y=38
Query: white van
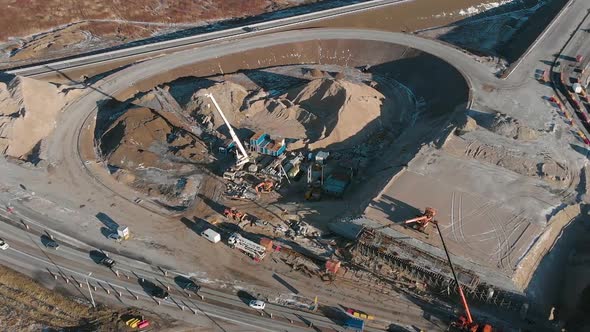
x=211, y=235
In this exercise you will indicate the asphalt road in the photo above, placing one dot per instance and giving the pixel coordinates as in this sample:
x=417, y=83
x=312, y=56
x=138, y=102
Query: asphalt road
x=27, y=252
x=152, y=49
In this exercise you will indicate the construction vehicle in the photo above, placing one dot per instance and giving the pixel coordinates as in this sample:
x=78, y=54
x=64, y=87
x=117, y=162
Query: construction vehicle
x=463, y=323
x=241, y=155
x=314, y=192
x=265, y=186
x=250, y=248
x=233, y=213
x=421, y=222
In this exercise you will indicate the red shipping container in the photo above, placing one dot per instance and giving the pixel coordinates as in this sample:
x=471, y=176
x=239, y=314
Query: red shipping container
x=143, y=324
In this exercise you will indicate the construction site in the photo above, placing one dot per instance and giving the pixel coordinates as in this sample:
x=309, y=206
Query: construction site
x=349, y=165
x=288, y=155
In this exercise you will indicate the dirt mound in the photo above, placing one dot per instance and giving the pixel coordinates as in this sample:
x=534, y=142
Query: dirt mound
x=341, y=109
x=546, y=169
x=469, y=126
x=28, y=113
x=143, y=138
x=229, y=96
x=510, y=127
x=320, y=112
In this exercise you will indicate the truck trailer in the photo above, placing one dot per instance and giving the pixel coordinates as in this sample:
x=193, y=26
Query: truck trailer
x=250, y=248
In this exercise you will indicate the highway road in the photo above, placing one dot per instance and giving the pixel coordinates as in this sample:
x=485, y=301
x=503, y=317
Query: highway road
x=79, y=176
x=28, y=253
x=158, y=48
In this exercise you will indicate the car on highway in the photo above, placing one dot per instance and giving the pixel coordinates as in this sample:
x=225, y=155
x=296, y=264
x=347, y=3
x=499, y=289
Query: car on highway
x=52, y=245
x=108, y=262
x=257, y=304
x=153, y=289
x=159, y=292
x=192, y=287
x=3, y=244
x=250, y=29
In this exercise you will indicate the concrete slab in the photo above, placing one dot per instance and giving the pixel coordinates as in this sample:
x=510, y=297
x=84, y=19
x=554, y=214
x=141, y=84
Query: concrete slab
x=490, y=216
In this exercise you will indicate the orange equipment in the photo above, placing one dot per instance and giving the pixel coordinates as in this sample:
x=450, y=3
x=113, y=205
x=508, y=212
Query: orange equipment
x=265, y=186
x=233, y=213
x=464, y=323
x=423, y=220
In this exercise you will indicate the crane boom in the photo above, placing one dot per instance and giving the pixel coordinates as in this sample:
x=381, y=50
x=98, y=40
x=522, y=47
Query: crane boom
x=461, y=294
x=242, y=154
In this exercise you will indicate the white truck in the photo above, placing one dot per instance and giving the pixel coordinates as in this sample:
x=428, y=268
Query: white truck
x=211, y=235
x=251, y=248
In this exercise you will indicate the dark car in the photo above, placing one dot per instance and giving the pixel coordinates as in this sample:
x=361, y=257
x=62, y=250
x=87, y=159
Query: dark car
x=192, y=287
x=250, y=29
x=49, y=242
x=159, y=292
x=52, y=244
x=108, y=262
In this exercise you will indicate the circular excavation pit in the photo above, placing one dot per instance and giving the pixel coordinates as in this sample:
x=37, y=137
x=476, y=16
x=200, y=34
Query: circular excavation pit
x=330, y=95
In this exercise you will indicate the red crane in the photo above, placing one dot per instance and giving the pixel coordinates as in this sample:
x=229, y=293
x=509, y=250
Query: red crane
x=464, y=323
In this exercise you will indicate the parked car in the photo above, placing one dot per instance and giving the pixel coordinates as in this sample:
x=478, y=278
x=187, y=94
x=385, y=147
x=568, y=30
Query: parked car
x=108, y=262
x=257, y=304
x=3, y=244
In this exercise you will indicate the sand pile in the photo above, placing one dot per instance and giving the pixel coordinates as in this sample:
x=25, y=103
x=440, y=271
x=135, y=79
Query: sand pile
x=320, y=112
x=341, y=109
x=229, y=96
x=141, y=137
x=28, y=113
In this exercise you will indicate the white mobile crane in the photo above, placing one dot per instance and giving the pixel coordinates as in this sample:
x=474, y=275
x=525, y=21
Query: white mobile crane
x=241, y=154
x=251, y=248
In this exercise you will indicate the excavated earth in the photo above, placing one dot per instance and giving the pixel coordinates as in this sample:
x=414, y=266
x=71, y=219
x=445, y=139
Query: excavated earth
x=160, y=142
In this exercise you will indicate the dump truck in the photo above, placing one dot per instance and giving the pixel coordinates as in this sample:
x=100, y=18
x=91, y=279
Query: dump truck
x=250, y=248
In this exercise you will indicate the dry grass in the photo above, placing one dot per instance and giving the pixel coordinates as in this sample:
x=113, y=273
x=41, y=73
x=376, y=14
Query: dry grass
x=74, y=28
x=25, y=305
x=21, y=18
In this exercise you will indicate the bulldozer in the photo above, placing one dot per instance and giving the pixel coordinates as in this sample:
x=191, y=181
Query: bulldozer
x=265, y=186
